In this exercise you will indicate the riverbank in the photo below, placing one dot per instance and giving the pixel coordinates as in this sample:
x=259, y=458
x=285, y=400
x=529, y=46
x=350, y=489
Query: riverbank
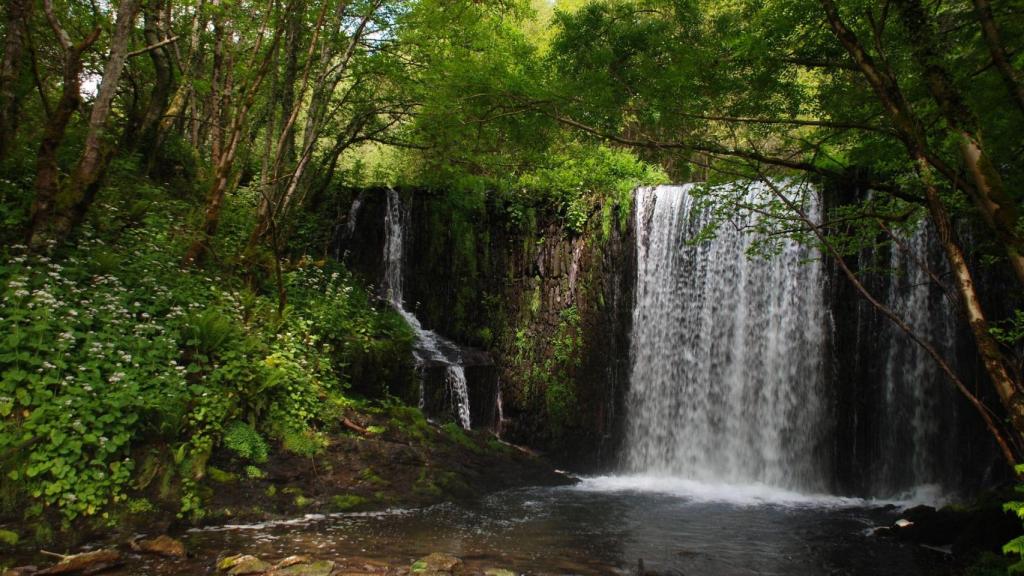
x=389, y=457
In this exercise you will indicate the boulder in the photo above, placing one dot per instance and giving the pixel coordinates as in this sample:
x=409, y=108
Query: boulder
x=305, y=568
x=243, y=564
x=161, y=545
x=435, y=564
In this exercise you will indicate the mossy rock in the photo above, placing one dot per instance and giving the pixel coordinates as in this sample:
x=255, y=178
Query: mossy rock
x=9, y=538
x=220, y=476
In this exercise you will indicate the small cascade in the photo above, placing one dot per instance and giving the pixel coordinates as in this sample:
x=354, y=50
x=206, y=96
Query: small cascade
x=430, y=348
x=728, y=354
x=342, y=235
x=457, y=393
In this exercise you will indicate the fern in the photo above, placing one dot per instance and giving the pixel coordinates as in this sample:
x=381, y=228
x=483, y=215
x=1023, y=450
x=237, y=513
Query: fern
x=246, y=442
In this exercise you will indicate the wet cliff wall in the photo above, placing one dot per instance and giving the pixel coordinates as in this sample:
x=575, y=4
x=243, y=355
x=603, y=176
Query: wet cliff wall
x=550, y=306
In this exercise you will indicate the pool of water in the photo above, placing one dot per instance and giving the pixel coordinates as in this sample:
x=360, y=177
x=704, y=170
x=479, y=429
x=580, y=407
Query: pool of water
x=604, y=525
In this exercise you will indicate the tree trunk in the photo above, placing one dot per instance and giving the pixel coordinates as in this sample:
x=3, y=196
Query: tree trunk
x=997, y=209
x=47, y=184
x=216, y=86
x=993, y=39
x=19, y=13
x=893, y=101
x=93, y=159
x=154, y=30
x=224, y=163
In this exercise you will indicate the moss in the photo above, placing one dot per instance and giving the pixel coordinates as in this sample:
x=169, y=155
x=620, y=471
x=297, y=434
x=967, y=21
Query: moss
x=409, y=421
x=368, y=476
x=425, y=485
x=8, y=538
x=302, y=501
x=495, y=445
x=458, y=436
x=347, y=502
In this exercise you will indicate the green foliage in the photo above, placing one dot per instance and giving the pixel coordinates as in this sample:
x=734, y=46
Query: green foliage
x=578, y=179
x=109, y=347
x=1015, y=547
x=306, y=443
x=245, y=442
x=1011, y=330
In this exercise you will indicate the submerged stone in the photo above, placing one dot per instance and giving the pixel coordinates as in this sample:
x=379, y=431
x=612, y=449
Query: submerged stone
x=162, y=545
x=435, y=563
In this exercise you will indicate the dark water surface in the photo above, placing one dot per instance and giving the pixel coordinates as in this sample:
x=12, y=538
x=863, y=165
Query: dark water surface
x=601, y=526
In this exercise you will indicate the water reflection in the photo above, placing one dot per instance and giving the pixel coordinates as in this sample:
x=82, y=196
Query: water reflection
x=598, y=527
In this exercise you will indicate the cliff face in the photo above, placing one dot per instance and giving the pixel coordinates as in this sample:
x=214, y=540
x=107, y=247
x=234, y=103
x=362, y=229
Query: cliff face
x=551, y=308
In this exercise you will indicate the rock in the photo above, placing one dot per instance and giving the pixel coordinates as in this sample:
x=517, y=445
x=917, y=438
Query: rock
x=903, y=523
x=21, y=571
x=240, y=565
x=161, y=545
x=314, y=568
x=88, y=562
x=306, y=568
x=291, y=561
x=435, y=563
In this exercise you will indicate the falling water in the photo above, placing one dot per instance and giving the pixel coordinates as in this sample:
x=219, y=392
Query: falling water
x=915, y=396
x=728, y=354
x=458, y=393
x=430, y=348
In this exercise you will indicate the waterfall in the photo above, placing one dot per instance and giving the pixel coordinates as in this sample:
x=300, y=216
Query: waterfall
x=430, y=348
x=915, y=400
x=728, y=351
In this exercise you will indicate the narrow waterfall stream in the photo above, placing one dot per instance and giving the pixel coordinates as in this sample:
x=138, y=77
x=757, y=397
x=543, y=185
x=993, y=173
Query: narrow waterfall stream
x=916, y=402
x=728, y=352
x=430, y=348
